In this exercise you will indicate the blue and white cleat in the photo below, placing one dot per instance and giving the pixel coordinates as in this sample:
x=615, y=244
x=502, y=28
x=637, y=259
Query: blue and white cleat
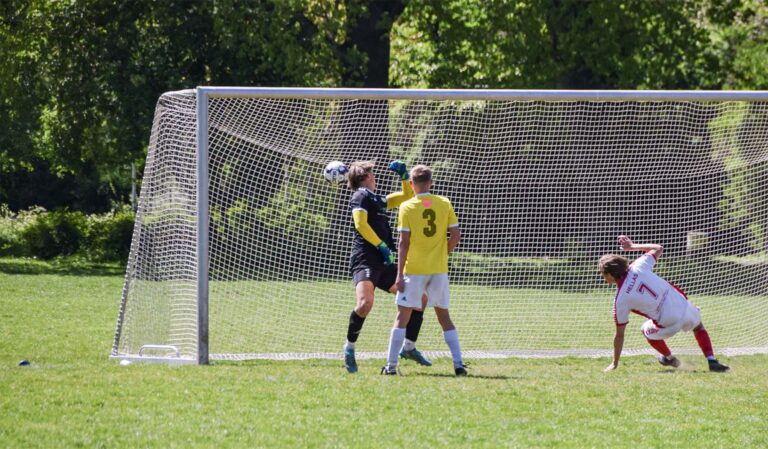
x=349, y=361
x=414, y=355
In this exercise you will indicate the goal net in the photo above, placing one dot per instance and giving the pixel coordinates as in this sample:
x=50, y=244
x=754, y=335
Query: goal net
x=241, y=247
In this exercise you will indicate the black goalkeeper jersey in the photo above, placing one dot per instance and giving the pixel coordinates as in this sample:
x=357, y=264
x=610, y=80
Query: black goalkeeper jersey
x=378, y=218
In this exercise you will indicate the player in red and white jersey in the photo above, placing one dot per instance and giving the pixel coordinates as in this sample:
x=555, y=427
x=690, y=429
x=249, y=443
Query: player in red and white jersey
x=641, y=291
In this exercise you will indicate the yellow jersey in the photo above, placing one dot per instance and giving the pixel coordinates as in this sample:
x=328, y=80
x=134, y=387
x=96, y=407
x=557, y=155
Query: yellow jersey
x=427, y=218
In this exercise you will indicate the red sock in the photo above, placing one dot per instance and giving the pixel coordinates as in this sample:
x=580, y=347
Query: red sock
x=702, y=337
x=661, y=346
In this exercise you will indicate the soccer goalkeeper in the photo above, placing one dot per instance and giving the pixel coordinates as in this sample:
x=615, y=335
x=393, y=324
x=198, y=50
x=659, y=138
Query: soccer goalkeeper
x=372, y=261
x=641, y=291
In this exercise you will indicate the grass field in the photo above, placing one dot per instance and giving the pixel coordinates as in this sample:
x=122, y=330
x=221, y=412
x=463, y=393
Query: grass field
x=61, y=317
x=310, y=316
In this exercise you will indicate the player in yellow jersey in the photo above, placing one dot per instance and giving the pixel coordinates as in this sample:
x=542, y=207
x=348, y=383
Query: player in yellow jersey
x=424, y=223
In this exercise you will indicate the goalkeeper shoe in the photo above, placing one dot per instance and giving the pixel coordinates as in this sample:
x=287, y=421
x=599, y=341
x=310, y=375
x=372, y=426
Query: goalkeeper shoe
x=349, y=360
x=669, y=361
x=415, y=355
x=461, y=371
x=716, y=367
x=389, y=370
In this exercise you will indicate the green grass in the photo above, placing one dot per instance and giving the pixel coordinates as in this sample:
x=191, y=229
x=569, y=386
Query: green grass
x=249, y=317
x=62, y=318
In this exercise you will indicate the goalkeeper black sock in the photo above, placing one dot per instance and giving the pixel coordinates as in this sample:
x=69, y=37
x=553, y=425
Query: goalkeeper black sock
x=355, y=326
x=414, y=325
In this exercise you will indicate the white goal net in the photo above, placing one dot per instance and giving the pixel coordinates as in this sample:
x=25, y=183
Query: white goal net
x=542, y=183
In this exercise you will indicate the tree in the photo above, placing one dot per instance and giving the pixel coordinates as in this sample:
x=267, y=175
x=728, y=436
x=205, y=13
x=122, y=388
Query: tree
x=567, y=44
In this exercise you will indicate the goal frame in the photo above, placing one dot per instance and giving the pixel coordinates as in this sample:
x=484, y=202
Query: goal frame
x=204, y=94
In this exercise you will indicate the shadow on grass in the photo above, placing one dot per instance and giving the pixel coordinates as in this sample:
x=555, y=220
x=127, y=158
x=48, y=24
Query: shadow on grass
x=469, y=376
x=70, y=267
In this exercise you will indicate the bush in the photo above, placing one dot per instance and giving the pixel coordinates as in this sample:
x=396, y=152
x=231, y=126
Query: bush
x=11, y=227
x=55, y=233
x=45, y=235
x=110, y=236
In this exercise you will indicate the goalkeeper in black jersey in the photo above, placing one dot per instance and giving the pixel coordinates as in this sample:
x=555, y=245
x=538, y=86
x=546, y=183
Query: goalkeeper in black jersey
x=372, y=261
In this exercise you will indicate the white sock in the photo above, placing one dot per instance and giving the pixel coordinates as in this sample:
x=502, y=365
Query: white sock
x=452, y=338
x=395, y=343
x=349, y=345
x=409, y=345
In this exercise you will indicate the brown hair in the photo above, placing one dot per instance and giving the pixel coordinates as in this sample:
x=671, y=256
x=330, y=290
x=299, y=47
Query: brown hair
x=358, y=171
x=614, y=265
x=421, y=174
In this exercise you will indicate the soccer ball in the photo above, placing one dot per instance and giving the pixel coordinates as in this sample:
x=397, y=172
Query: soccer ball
x=336, y=172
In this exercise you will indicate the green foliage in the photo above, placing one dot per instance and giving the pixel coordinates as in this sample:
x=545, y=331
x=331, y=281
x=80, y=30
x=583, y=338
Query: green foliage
x=110, y=235
x=55, y=233
x=738, y=40
x=744, y=189
x=12, y=226
x=80, y=79
x=38, y=233
x=289, y=213
x=633, y=44
x=299, y=213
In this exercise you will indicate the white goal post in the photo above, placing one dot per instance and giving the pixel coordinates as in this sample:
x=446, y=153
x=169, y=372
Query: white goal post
x=240, y=248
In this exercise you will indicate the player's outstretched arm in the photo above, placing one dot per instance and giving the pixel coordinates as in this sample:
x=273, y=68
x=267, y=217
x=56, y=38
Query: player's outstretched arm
x=651, y=248
x=618, y=345
x=360, y=218
x=397, y=198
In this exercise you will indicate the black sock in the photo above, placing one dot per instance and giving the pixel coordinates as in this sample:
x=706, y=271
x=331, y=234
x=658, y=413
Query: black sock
x=414, y=325
x=355, y=326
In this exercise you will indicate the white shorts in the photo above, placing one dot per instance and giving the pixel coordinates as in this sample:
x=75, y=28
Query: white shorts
x=689, y=318
x=434, y=285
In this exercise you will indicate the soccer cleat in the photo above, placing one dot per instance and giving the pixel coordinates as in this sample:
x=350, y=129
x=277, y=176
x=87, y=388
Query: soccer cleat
x=389, y=371
x=669, y=361
x=461, y=370
x=349, y=361
x=414, y=355
x=716, y=367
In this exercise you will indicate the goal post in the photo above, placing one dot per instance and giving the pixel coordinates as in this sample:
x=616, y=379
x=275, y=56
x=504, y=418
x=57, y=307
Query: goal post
x=240, y=248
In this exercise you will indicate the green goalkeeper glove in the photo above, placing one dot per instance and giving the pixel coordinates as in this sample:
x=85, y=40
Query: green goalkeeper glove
x=399, y=168
x=386, y=253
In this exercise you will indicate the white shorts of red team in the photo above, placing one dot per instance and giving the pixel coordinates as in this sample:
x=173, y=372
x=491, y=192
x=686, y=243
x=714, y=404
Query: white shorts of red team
x=434, y=285
x=683, y=317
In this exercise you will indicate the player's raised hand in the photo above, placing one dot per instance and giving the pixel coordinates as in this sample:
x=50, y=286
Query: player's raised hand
x=625, y=243
x=386, y=253
x=399, y=168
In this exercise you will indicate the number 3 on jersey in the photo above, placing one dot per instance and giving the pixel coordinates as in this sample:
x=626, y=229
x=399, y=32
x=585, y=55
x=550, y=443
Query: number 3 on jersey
x=431, y=228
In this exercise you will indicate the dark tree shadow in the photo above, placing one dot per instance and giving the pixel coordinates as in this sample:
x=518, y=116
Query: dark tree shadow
x=60, y=267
